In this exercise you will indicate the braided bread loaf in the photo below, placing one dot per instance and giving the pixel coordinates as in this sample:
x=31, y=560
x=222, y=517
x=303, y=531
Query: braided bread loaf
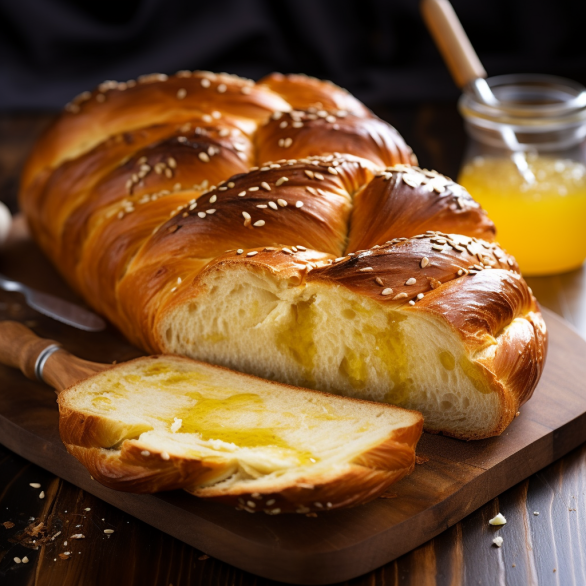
x=279, y=228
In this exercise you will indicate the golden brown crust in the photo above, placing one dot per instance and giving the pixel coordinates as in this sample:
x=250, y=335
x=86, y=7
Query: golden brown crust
x=406, y=201
x=129, y=470
x=303, y=92
x=115, y=108
x=299, y=134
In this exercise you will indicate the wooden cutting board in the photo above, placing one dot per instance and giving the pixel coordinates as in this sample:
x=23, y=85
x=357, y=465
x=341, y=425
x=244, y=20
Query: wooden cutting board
x=458, y=478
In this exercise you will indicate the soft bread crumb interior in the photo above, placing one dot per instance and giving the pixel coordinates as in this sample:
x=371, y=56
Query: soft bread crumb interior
x=325, y=337
x=255, y=428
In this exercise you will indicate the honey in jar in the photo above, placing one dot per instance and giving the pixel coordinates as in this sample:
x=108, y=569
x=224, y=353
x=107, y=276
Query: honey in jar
x=542, y=223
x=526, y=165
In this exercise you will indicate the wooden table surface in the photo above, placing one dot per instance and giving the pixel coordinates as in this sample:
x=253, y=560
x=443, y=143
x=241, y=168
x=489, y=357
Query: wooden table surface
x=548, y=548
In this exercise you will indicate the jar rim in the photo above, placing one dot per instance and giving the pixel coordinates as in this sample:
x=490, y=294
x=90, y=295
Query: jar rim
x=556, y=101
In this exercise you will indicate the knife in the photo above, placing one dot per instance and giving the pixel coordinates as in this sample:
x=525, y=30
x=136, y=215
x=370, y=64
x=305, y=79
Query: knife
x=58, y=309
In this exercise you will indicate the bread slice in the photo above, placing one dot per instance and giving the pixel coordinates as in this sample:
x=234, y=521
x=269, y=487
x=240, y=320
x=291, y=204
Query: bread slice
x=166, y=422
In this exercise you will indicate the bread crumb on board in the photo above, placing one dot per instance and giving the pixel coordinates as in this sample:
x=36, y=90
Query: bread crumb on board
x=498, y=541
x=498, y=520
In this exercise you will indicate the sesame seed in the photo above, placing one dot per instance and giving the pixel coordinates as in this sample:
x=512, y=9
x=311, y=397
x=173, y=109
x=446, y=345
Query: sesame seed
x=110, y=531
x=221, y=88
x=283, y=124
x=259, y=223
x=309, y=173
x=253, y=188
x=265, y=186
x=301, y=247
x=299, y=204
x=387, y=291
x=273, y=205
x=42, y=494
x=246, y=215
x=35, y=484
x=282, y=203
x=252, y=253
x=379, y=281
x=424, y=262
x=319, y=176
x=297, y=124
x=366, y=269
x=213, y=198
x=17, y=560
x=400, y=296
x=204, y=157
x=420, y=296
x=242, y=194
x=207, y=118
x=437, y=246
x=332, y=171
x=145, y=453
x=280, y=181
x=169, y=172
x=270, y=502
x=245, y=90
x=201, y=214
x=410, y=281
x=460, y=273
x=181, y=93
x=411, y=302
x=287, y=250
x=25, y=560
x=277, y=115
x=210, y=212
x=339, y=258
x=262, y=206
x=165, y=456
x=239, y=251
x=205, y=82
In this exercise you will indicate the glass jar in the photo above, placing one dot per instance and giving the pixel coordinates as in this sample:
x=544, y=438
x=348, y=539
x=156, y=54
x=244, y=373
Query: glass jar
x=536, y=197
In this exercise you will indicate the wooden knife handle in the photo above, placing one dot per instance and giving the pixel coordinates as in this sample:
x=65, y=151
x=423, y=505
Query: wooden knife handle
x=21, y=348
x=452, y=41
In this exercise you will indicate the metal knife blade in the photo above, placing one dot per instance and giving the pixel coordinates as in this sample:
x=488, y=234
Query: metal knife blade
x=59, y=309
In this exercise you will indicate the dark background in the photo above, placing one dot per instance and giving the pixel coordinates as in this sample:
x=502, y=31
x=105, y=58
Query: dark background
x=51, y=50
